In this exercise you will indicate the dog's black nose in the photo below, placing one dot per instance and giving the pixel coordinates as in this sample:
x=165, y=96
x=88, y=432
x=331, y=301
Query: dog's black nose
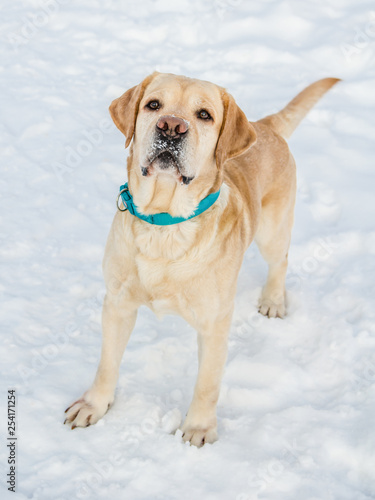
x=172, y=127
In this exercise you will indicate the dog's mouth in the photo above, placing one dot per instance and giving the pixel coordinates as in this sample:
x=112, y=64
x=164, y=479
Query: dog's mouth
x=167, y=161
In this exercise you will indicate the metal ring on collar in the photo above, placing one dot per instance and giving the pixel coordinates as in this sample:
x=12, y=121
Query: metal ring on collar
x=123, y=202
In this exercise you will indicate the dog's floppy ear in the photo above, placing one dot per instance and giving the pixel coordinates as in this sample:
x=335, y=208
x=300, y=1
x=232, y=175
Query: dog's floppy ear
x=124, y=109
x=236, y=134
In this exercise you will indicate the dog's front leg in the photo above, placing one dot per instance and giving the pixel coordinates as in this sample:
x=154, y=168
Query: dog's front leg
x=118, y=321
x=200, y=425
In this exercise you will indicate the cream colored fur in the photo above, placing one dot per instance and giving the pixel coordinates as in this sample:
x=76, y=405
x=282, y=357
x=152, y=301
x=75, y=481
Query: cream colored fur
x=191, y=268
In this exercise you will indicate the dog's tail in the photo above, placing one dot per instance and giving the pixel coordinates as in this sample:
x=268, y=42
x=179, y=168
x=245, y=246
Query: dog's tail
x=286, y=121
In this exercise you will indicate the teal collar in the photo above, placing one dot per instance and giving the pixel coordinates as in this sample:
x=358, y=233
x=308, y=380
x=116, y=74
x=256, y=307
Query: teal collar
x=162, y=219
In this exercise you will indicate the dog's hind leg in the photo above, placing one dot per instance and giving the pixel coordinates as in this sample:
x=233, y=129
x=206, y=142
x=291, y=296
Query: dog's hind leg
x=273, y=240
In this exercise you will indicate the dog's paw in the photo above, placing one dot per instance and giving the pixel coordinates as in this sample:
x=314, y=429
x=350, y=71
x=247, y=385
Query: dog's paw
x=272, y=309
x=198, y=437
x=86, y=411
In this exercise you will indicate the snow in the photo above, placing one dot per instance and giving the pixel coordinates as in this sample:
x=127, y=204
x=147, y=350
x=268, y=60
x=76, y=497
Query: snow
x=298, y=398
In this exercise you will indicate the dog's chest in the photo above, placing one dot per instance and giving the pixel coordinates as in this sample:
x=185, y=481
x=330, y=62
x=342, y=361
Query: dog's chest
x=163, y=266
x=164, y=288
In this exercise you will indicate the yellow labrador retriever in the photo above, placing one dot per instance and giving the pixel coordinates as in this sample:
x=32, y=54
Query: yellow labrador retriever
x=220, y=182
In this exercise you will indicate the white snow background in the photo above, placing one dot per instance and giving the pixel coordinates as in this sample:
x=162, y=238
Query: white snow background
x=296, y=411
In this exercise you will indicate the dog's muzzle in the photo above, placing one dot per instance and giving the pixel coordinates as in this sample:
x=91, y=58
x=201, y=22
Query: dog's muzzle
x=168, y=147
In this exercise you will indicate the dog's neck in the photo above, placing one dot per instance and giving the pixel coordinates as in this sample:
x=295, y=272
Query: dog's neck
x=162, y=192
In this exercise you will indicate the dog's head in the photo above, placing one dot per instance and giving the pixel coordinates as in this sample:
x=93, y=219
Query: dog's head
x=182, y=129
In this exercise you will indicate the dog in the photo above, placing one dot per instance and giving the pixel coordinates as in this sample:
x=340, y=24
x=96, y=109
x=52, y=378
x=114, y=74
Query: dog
x=192, y=144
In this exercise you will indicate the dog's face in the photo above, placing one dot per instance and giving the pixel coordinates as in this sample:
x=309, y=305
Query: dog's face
x=182, y=127
x=177, y=127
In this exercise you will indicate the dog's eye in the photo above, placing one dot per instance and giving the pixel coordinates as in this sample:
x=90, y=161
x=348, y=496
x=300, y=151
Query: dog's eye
x=154, y=105
x=204, y=115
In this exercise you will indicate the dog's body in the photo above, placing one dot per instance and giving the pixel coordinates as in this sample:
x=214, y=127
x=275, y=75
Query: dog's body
x=190, y=139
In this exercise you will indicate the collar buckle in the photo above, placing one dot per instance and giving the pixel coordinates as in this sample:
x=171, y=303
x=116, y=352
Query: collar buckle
x=122, y=201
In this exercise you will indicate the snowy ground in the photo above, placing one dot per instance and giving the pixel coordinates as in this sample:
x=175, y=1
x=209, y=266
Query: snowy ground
x=298, y=395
